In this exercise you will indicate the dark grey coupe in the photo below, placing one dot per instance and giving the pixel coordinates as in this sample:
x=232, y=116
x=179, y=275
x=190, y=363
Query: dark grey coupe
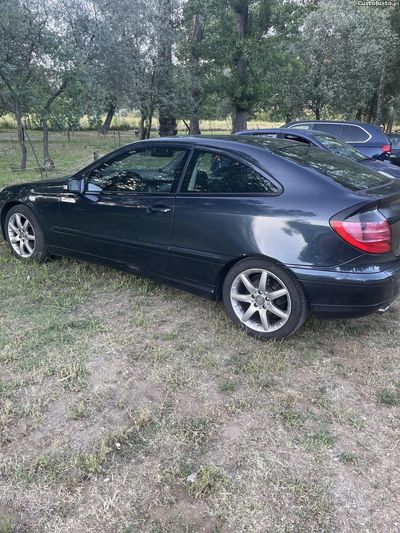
x=273, y=227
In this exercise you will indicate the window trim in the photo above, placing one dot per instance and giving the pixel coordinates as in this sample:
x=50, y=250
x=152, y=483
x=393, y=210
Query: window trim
x=315, y=127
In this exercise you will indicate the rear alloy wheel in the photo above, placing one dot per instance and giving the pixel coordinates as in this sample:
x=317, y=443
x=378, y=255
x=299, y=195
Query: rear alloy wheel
x=264, y=299
x=24, y=234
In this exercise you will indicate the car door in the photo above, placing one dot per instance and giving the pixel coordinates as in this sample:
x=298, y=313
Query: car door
x=215, y=212
x=125, y=211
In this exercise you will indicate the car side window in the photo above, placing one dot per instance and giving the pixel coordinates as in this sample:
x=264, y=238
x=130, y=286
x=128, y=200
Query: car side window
x=302, y=126
x=144, y=170
x=333, y=129
x=358, y=134
x=346, y=133
x=209, y=172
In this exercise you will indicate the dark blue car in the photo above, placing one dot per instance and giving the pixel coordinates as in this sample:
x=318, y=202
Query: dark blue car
x=367, y=138
x=328, y=142
x=274, y=228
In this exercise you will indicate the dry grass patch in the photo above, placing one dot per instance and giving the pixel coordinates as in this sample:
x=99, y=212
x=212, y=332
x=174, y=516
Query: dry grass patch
x=128, y=406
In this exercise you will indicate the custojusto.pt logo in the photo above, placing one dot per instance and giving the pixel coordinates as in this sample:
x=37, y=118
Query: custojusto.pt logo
x=378, y=3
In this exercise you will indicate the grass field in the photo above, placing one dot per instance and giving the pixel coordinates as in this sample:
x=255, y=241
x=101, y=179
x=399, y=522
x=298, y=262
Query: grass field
x=127, y=406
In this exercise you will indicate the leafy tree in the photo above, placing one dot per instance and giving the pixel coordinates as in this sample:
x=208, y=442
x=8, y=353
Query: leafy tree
x=344, y=49
x=392, y=110
x=107, y=38
x=243, y=55
x=26, y=42
x=166, y=20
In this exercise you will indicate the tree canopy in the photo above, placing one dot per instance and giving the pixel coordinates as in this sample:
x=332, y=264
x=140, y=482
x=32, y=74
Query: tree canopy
x=195, y=59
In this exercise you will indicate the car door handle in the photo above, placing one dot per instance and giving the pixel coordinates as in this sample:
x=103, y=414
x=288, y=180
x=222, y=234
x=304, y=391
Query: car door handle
x=159, y=209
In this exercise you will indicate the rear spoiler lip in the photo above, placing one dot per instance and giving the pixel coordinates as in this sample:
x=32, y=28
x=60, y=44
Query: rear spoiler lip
x=367, y=205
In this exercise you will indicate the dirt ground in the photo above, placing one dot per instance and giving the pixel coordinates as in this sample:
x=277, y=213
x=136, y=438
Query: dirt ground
x=127, y=406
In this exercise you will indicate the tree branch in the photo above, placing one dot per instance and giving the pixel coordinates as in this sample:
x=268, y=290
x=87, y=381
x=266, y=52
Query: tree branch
x=55, y=95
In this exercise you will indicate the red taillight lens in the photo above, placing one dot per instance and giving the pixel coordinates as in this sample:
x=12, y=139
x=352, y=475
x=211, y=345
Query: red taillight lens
x=386, y=148
x=369, y=232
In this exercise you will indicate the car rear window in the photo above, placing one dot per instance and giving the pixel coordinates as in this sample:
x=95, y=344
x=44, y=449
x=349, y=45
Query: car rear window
x=350, y=175
x=339, y=147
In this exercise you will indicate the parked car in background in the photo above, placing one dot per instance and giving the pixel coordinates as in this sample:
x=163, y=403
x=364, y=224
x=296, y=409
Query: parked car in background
x=328, y=142
x=274, y=228
x=394, y=138
x=367, y=138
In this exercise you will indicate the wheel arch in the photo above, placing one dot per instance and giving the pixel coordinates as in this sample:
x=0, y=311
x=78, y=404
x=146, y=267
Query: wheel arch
x=4, y=213
x=224, y=271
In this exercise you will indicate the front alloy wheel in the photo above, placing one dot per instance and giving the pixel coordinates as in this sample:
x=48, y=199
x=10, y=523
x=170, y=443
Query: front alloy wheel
x=264, y=299
x=24, y=234
x=21, y=235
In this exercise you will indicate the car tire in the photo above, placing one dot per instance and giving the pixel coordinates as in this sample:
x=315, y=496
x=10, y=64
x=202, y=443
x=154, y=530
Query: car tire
x=264, y=299
x=25, y=235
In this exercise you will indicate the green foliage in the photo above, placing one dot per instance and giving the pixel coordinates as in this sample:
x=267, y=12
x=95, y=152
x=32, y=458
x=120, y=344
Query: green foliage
x=206, y=480
x=348, y=458
x=5, y=524
x=388, y=397
x=65, y=59
x=343, y=49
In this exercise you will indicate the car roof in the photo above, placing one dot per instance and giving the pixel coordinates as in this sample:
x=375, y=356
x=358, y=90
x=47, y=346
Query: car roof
x=353, y=122
x=330, y=122
x=300, y=132
x=228, y=142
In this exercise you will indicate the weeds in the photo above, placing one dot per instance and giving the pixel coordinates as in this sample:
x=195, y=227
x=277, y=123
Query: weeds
x=388, y=397
x=348, y=458
x=206, y=481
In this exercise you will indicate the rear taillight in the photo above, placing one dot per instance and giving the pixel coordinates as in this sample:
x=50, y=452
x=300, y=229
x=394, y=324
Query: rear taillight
x=369, y=232
x=386, y=148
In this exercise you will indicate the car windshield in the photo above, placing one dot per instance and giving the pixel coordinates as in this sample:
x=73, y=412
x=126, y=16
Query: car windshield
x=339, y=147
x=347, y=173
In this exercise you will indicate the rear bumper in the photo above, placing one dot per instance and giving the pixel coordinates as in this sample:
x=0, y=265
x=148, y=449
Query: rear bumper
x=348, y=294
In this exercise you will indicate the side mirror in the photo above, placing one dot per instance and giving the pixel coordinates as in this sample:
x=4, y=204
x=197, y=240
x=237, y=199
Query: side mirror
x=74, y=185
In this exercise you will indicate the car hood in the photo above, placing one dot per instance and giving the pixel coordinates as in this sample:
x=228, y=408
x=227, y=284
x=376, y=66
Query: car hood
x=43, y=186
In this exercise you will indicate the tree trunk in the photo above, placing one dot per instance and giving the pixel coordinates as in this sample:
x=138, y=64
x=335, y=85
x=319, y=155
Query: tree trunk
x=317, y=113
x=141, y=127
x=21, y=137
x=150, y=120
x=46, y=155
x=107, y=123
x=194, y=127
x=381, y=97
x=167, y=122
x=239, y=121
x=370, y=108
x=165, y=83
x=389, y=126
